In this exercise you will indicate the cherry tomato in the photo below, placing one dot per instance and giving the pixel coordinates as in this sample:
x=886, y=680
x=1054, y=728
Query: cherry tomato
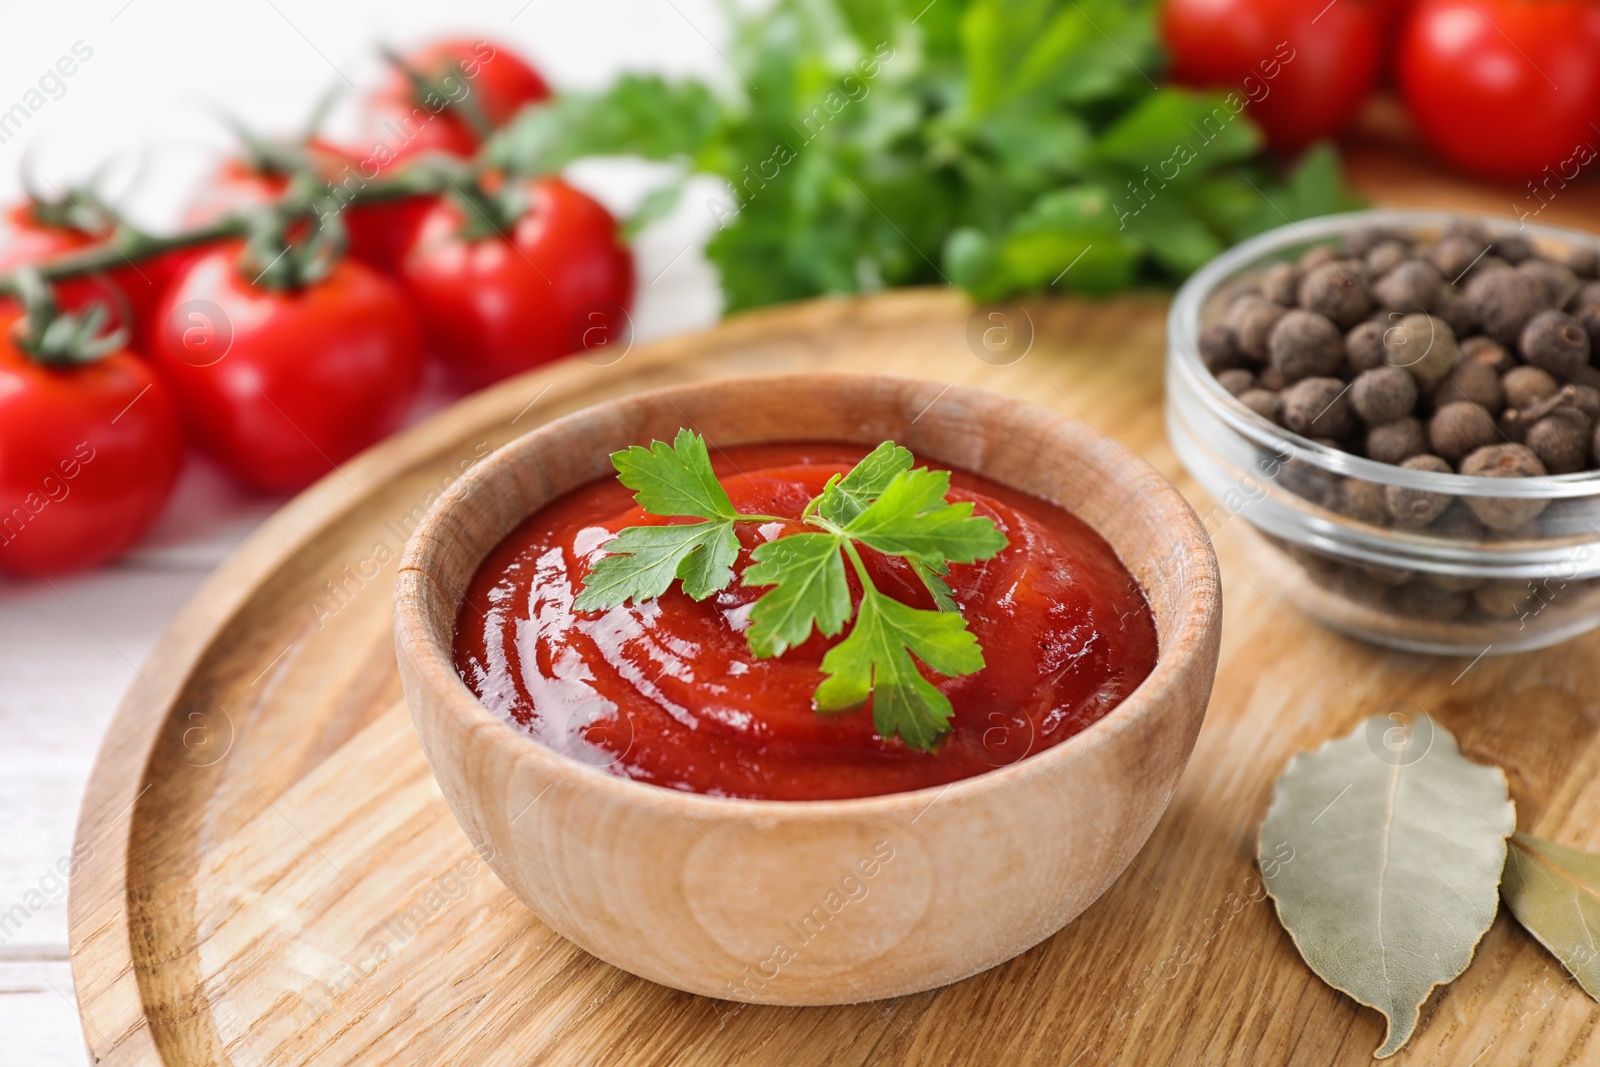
x=282, y=386
x=25, y=240
x=1504, y=88
x=234, y=185
x=380, y=233
x=88, y=456
x=493, y=306
x=402, y=126
x=479, y=74
x=1304, y=69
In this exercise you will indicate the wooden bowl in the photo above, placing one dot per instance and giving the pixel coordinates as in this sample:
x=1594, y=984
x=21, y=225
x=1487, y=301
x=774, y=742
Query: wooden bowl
x=816, y=902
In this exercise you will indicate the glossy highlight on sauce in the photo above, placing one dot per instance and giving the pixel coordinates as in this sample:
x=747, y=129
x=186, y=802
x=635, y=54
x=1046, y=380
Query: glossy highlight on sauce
x=667, y=691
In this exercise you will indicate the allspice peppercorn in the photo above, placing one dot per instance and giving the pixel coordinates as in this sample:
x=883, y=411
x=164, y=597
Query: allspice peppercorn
x=1588, y=293
x=1504, y=461
x=1218, y=350
x=1424, y=346
x=1586, y=398
x=1452, y=307
x=1559, y=282
x=1415, y=508
x=1425, y=600
x=1364, y=239
x=1237, y=381
x=1459, y=428
x=1252, y=317
x=1363, y=501
x=1588, y=316
x=1579, y=259
x=1456, y=254
x=1513, y=247
x=1502, y=302
x=1304, y=344
x=1412, y=286
x=1337, y=291
x=1561, y=440
x=1397, y=441
x=1386, y=256
x=1474, y=381
x=1384, y=394
x=1556, y=342
x=1264, y=402
x=1363, y=346
x=1526, y=386
x=1506, y=598
x=1318, y=407
x=1281, y=284
x=1488, y=351
x=1457, y=523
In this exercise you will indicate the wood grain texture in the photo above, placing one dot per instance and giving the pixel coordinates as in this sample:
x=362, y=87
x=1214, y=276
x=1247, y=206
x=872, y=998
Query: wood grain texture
x=282, y=882
x=869, y=898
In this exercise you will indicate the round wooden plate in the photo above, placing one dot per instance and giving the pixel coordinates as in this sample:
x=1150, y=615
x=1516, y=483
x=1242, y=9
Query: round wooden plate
x=270, y=876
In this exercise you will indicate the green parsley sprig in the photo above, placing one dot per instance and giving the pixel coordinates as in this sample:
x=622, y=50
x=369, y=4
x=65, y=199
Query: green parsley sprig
x=882, y=503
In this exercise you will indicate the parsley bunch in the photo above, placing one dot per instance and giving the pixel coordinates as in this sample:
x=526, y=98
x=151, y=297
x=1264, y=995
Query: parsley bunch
x=1004, y=146
x=882, y=503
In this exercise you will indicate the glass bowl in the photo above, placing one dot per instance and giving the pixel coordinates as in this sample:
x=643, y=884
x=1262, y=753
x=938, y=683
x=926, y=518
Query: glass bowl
x=1455, y=586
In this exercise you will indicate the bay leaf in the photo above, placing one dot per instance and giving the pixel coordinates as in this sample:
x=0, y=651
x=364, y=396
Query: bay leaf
x=1554, y=891
x=1395, y=845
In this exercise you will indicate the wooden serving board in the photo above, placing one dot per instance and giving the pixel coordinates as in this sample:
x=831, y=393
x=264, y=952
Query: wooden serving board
x=270, y=876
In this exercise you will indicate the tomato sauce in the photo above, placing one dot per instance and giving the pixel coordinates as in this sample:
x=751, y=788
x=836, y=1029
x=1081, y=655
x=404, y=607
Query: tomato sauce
x=667, y=691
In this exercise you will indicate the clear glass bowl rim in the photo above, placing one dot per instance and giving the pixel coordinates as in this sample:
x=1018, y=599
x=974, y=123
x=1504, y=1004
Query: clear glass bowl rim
x=1183, y=343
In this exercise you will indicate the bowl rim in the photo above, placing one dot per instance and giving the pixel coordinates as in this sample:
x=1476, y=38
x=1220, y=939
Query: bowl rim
x=1183, y=349
x=1197, y=629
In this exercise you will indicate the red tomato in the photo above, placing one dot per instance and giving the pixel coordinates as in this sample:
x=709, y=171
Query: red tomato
x=381, y=233
x=490, y=76
x=24, y=240
x=1504, y=88
x=88, y=456
x=1304, y=69
x=234, y=185
x=378, y=233
x=401, y=127
x=491, y=307
x=282, y=386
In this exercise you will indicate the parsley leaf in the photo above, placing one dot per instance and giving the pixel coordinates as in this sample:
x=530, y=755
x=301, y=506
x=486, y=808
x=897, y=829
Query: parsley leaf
x=933, y=576
x=808, y=573
x=642, y=561
x=674, y=480
x=843, y=498
x=911, y=518
x=874, y=660
x=881, y=503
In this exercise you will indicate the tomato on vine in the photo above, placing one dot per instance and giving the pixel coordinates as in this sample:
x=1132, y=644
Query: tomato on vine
x=89, y=450
x=283, y=384
x=518, y=278
x=448, y=96
x=33, y=233
x=445, y=99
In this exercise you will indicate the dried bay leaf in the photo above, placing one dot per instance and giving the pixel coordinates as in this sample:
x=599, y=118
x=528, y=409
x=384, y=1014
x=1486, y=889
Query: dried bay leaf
x=1397, y=853
x=1554, y=892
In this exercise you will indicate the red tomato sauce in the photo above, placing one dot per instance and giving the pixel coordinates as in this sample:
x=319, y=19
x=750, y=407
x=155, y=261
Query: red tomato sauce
x=667, y=691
